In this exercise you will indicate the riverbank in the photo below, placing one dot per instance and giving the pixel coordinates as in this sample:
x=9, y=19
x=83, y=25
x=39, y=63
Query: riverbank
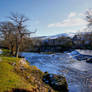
x=16, y=75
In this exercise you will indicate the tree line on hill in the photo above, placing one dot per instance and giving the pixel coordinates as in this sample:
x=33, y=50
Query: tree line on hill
x=81, y=40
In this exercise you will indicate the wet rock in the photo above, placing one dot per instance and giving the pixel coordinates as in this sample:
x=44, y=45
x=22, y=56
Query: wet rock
x=89, y=60
x=57, y=82
x=78, y=56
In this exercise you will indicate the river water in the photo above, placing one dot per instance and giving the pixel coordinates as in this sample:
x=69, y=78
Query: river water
x=69, y=64
x=0, y=51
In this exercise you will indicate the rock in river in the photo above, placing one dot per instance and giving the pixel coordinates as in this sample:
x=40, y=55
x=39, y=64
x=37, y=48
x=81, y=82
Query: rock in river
x=89, y=60
x=57, y=82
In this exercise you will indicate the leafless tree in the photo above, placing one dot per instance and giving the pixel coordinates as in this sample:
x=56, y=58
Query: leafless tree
x=89, y=19
x=21, y=30
x=7, y=33
x=15, y=32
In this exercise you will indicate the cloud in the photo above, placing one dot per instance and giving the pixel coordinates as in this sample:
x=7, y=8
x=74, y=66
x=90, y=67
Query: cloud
x=82, y=15
x=51, y=25
x=72, y=14
x=71, y=21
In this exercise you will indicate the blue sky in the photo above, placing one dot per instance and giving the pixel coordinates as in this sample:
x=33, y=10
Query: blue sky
x=49, y=17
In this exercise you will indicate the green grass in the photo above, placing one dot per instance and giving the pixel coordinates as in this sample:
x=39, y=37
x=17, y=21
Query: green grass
x=5, y=52
x=9, y=78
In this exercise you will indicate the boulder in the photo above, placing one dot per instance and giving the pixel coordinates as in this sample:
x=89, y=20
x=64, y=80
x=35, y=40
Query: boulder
x=89, y=60
x=57, y=82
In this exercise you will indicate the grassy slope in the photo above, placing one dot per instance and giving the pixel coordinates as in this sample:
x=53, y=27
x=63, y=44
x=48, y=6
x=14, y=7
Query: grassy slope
x=13, y=74
x=9, y=78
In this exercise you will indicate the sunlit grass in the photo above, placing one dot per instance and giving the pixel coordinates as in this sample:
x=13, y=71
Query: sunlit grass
x=8, y=77
x=5, y=52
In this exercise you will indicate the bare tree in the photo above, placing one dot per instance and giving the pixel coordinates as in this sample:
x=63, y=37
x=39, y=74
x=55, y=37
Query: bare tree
x=21, y=31
x=15, y=32
x=89, y=19
x=7, y=33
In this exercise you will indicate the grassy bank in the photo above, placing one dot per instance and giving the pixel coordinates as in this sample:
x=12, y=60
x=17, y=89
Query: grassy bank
x=17, y=75
x=8, y=77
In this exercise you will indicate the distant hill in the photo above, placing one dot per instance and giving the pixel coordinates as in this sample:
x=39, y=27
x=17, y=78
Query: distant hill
x=56, y=36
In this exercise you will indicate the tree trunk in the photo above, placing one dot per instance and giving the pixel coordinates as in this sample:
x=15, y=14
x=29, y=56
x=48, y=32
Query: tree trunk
x=11, y=49
x=17, y=51
x=17, y=48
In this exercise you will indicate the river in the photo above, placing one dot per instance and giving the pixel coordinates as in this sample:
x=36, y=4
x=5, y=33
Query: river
x=0, y=51
x=72, y=65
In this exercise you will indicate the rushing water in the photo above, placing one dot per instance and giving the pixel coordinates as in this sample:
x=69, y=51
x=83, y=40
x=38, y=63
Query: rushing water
x=78, y=73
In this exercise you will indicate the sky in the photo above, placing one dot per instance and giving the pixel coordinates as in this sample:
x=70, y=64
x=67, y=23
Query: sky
x=49, y=17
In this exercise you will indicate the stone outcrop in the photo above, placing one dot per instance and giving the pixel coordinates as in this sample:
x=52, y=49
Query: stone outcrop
x=57, y=82
x=89, y=60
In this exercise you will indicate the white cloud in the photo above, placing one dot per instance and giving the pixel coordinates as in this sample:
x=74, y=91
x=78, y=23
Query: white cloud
x=70, y=21
x=81, y=15
x=51, y=25
x=72, y=14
